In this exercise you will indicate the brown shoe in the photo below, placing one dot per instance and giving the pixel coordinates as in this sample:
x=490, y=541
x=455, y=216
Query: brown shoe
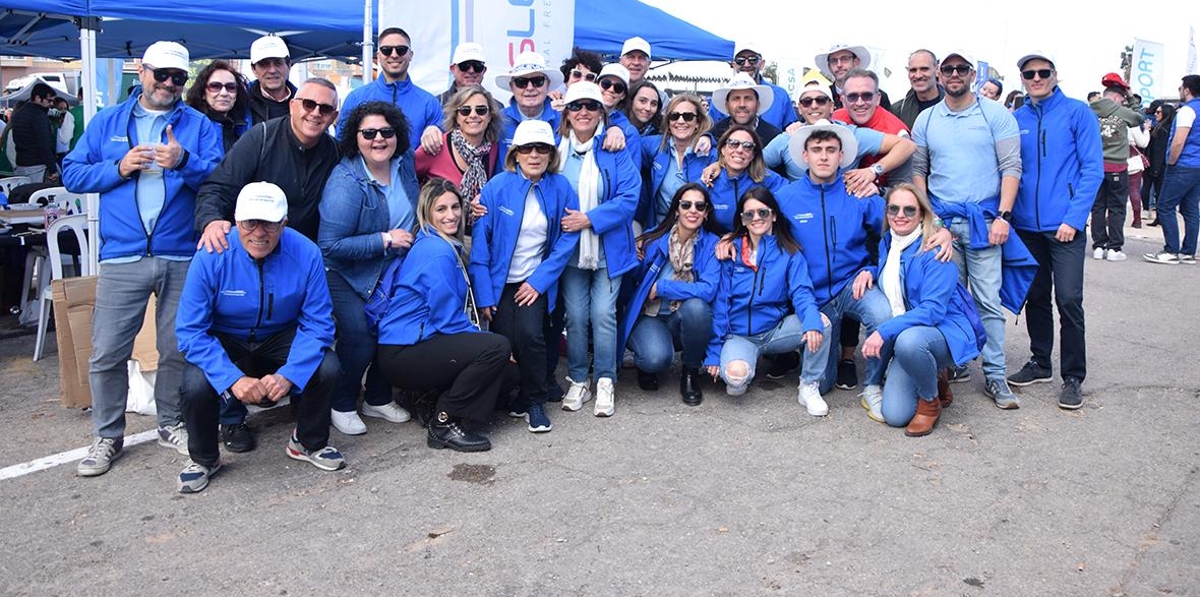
x=926, y=418
x=945, y=394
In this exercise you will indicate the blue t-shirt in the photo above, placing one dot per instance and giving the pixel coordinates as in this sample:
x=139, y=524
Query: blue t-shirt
x=963, y=154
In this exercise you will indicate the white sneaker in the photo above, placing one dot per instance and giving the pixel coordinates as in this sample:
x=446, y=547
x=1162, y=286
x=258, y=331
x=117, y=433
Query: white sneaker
x=810, y=398
x=872, y=400
x=1097, y=253
x=1116, y=255
x=348, y=423
x=576, y=396
x=390, y=412
x=604, y=398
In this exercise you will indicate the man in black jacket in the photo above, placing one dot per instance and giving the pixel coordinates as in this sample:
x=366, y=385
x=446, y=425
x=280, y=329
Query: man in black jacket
x=925, y=92
x=33, y=136
x=271, y=91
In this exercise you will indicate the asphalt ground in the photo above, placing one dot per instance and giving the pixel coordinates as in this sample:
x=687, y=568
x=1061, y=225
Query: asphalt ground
x=746, y=496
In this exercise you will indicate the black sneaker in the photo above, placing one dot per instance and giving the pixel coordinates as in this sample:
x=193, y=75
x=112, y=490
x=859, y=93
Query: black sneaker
x=238, y=438
x=554, y=392
x=782, y=364
x=1031, y=373
x=847, y=375
x=1071, y=397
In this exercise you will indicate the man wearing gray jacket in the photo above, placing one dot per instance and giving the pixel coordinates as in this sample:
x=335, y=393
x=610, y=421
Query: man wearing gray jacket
x=1108, y=212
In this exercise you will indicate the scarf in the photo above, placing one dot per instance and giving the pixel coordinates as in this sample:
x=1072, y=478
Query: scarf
x=889, y=276
x=682, y=256
x=589, y=195
x=476, y=173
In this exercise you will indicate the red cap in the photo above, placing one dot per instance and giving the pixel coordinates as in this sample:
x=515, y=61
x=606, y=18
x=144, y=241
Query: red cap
x=1114, y=80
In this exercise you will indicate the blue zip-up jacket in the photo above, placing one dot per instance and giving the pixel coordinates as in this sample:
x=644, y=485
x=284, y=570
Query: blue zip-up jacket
x=512, y=117
x=726, y=191
x=354, y=211
x=932, y=298
x=633, y=139
x=706, y=267
x=430, y=295
x=612, y=218
x=1062, y=164
x=752, y=302
x=92, y=167
x=654, y=171
x=1190, y=156
x=234, y=294
x=494, y=237
x=420, y=107
x=833, y=229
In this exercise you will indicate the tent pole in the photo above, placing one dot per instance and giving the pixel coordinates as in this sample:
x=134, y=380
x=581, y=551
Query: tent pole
x=368, y=42
x=87, y=53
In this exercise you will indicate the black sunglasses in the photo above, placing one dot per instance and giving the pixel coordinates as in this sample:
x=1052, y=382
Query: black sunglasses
x=589, y=105
x=866, y=96
x=473, y=66
x=578, y=74
x=686, y=116
x=523, y=82
x=310, y=105
x=959, y=69
x=751, y=60
x=820, y=100
x=698, y=205
x=178, y=78
x=909, y=210
x=762, y=213
x=216, y=87
x=1044, y=73
x=541, y=148
x=389, y=50
x=466, y=110
x=386, y=132
x=615, y=86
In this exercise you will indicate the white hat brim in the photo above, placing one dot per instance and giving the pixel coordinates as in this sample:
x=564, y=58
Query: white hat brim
x=800, y=137
x=766, y=97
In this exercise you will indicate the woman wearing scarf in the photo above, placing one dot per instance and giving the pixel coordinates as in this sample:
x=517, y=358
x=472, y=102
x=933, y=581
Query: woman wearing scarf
x=607, y=184
x=518, y=253
x=934, y=322
x=468, y=155
x=673, y=303
x=673, y=158
x=741, y=168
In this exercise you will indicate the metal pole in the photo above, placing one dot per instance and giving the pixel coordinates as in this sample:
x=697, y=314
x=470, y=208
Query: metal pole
x=368, y=42
x=87, y=53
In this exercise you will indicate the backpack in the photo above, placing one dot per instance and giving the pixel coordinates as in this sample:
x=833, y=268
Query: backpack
x=377, y=304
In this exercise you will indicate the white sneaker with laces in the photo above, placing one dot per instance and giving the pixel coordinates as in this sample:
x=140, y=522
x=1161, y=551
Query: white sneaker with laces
x=1097, y=253
x=348, y=423
x=390, y=412
x=810, y=398
x=576, y=395
x=1116, y=255
x=604, y=398
x=872, y=400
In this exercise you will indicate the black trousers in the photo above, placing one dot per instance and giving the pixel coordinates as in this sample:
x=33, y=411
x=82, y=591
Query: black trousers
x=470, y=369
x=1108, y=211
x=1060, y=269
x=202, y=407
x=525, y=329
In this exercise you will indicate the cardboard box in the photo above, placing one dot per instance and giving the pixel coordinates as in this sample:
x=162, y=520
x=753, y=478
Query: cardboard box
x=145, y=345
x=74, y=301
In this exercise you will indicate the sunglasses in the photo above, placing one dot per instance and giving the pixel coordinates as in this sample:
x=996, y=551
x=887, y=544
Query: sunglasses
x=397, y=50
x=578, y=74
x=589, y=105
x=751, y=60
x=697, y=205
x=956, y=69
x=866, y=96
x=252, y=225
x=523, y=82
x=472, y=66
x=686, y=116
x=466, y=110
x=310, y=105
x=615, y=86
x=216, y=87
x=734, y=144
x=909, y=210
x=540, y=148
x=178, y=78
x=820, y=100
x=1044, y=73
x=762, y=213
x=386, y=133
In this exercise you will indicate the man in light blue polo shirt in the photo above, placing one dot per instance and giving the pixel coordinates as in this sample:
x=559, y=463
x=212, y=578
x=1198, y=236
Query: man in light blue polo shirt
x=969, y=161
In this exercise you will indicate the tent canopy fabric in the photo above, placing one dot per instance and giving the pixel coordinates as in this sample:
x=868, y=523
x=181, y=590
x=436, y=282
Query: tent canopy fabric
x=604, y=25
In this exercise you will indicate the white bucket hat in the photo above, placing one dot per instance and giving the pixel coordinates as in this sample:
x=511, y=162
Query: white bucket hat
x=822, y=60
x=529, y=63
x=743, y=81
x=800, y=137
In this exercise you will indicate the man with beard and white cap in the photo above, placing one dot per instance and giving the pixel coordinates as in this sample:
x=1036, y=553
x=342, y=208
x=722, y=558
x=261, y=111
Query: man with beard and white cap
x=271, y=91
x=467, y=67
x=145, y=157
x=777, y=105
x=742, y=101
x=837, y=62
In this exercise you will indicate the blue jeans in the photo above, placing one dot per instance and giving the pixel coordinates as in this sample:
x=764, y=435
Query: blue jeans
x=872, y=309
x=356, y=340
x=916, y=356
x=121, y=295
x=786, y=337
x=981, y=268
x=591, y=302
x=1180, y=189
x=653, y=339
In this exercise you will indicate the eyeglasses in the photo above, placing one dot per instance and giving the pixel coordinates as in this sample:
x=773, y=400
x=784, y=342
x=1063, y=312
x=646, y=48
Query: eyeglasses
x=956, y=69
x=473, y=66
x=820, y=100
x=310, y=105
x=751, y=60
x=846, y=58
x=578, y=74
x=909, y=210
x=523, y=82
x=252, y=225
x=615, y=86
x=386, y=133
x=178, y=78
x=734, y=144
x=589, y=105
x=1044, y=73
x=216, y=87
x=686, y=116
x=866, y=97
x=466, y=110
x=541, y=148
x=697, y=205
x=762, y=213
x=397, y=50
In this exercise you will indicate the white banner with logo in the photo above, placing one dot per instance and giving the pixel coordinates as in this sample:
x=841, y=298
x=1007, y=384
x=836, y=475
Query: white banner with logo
x=1146, y=70
x=505, y=28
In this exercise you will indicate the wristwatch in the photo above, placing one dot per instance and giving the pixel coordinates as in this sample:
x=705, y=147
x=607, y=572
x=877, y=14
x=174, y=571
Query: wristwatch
x=877, y=169
x=1006, y=216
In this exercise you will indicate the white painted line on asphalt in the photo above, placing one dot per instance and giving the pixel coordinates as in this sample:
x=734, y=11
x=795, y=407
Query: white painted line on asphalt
x=45, y=462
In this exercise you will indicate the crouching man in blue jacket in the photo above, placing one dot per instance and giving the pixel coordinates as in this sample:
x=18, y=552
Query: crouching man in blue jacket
x=255, y=324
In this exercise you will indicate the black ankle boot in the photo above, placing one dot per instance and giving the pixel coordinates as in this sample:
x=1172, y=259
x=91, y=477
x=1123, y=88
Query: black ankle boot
x=647, y=381
x=689, y=387
x=445, y=432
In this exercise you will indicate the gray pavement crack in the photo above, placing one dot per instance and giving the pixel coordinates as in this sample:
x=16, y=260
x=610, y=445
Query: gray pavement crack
x=1149, y=538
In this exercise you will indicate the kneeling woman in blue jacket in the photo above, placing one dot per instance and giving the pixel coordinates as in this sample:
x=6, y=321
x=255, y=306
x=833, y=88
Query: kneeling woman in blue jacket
x=759, y=289
x=518, y=252
x=673, y=302
x=429, y=338
x=934, y=322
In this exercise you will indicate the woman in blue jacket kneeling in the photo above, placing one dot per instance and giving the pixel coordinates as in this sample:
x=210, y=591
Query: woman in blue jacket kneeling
x=934, y=322
x=429, y=338
x=673, y=302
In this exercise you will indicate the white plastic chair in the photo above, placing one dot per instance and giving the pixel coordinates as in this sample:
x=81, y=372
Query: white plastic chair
x=77, y=224
x=70, y=203
x=9, y=183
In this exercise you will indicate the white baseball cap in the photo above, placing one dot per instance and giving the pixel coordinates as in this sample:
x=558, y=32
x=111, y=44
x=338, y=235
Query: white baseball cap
x=615, y=70
x=636, y=44
x=966, y=57
x=531, y=132
x=582, y=90
x=1036, y=54
x=268, y=46
x=261, y=201
x=166, y=54
x=468, y=51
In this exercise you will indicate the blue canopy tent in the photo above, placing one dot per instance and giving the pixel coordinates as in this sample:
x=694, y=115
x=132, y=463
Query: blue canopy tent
x=604, y=25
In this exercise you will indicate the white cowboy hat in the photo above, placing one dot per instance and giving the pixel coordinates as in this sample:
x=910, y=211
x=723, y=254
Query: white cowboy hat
x=528, y=63
x=822, y=60
x=743, y=81
x=800, y=137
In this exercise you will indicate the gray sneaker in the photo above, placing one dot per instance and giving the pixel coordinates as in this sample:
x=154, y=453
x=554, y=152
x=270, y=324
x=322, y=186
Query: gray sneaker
x=997, y=389
x=100, y=456
x=1187, y=259
x=174, y=437
x=960, y=374
x=1031, y=373
x=194, y=477
x=326, y=459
